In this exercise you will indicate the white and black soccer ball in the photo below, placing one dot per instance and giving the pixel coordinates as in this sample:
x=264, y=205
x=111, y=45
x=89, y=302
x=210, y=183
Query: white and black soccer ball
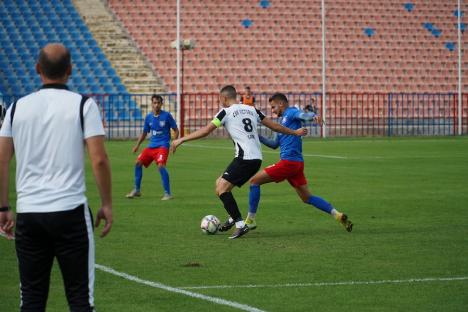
x=210, y=224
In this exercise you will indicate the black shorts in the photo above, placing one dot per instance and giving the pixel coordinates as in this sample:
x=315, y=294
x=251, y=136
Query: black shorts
x=240, y=171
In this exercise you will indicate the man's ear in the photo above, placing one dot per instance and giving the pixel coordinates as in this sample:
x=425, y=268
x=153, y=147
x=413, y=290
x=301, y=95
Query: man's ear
x=38, y=69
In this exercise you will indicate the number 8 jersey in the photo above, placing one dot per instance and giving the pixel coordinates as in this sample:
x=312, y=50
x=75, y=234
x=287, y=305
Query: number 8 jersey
x=241, y=122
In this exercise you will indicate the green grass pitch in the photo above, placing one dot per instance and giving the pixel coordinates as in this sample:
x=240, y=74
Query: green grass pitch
x=408, y=199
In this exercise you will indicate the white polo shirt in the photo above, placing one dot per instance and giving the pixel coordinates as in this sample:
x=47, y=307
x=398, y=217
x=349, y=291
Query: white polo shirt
x=49, y=148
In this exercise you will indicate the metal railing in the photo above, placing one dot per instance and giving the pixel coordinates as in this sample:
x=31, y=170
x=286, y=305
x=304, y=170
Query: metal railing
x=347, y=114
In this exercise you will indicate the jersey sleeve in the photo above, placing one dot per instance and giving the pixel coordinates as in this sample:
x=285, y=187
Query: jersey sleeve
x=172, y=122
x=218, y=120
x=146, y=126
x=261, y=116
x=6, y=126
x=92, y=120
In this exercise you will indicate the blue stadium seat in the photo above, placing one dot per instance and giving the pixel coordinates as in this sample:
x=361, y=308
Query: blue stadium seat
x=109, y=89
x=135, y=114
x=28, y=25
x=110, y=114
x=121, y=89
x=124, y=114
x=96, y=89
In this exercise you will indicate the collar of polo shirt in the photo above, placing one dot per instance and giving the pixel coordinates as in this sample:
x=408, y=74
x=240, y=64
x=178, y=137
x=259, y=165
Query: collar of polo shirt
x=54, y=86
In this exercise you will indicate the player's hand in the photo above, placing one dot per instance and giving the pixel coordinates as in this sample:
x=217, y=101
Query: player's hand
x=301, y=131
x=174, y=145
x=318, y=120
x=105, y=213
x=7, y=224
x=135, y=149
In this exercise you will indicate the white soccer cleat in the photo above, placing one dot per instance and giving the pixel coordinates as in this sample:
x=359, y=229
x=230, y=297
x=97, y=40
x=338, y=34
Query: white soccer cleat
x=167, y=197
x=134, y=193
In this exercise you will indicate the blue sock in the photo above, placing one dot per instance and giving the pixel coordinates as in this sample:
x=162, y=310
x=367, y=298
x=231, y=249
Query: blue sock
x=320, y=203
x=165, y=180
x=254, y=198
x=138, y=177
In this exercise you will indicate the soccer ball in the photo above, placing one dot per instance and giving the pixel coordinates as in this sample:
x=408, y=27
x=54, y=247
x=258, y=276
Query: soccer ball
x=209, y=224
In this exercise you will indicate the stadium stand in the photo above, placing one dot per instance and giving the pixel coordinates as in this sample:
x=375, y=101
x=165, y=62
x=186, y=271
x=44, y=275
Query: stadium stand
x=26, y=26
x=131, y=65
x=280, y=50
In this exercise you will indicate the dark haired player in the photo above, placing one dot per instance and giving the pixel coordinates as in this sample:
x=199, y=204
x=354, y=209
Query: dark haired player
x=159, y=123
x=291, y=165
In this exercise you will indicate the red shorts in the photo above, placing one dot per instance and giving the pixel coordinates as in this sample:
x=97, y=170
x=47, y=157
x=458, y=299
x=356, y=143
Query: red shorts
x=159, y=155
x=293, y=171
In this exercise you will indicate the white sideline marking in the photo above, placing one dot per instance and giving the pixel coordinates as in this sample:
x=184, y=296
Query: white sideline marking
x=220, y=301
x=265, y=152
x=132, y=278
x=348, y=283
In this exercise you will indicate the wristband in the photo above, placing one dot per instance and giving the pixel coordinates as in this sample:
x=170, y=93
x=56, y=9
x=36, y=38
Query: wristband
x=4, y=209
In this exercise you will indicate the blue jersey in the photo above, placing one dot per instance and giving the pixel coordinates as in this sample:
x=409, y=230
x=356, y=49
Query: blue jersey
x=160, y=128
x=291, y=145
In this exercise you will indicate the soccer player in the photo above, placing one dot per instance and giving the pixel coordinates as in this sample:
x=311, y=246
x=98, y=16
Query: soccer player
x=240, y=121
x=291, y=165
x=159, y=123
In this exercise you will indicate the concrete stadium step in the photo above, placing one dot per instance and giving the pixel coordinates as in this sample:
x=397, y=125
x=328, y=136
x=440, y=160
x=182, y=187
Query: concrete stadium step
x=130, y=64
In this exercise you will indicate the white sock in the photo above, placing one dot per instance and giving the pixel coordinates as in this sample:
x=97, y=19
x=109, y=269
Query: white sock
x=240, y=224
x=251, y=215
x=231, y=220
x=334, y=212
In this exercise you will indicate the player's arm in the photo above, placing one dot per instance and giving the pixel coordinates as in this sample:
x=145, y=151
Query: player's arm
x=6, y=217
x=173, y=126
x=140, y=140
x=271, y=143
x=102, y=174
x=200, y=133
x=176, y=133
x=281, y=129
x=309, y=116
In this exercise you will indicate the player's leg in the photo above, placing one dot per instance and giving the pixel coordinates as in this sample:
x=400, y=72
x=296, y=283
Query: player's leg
x=161, y=160
x=136, y=192
x=144, y=159
x=237, y=173
x=35, y=253
x=274, y=173
x=320, y=203
x=74, y=249
x=259, y=178
x=223, y=191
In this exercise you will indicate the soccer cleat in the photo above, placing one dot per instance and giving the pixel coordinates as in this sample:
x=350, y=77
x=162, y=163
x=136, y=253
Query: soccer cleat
x=251, y=223
x=167, y=197
x=134, y=193
x=226, y=226
x=239, y=232
x=343, y=219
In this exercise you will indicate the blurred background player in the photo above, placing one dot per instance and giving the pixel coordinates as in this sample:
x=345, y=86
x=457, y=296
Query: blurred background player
x=241, y=123
x=291, y=165
x=248, y=98
x=159, y=123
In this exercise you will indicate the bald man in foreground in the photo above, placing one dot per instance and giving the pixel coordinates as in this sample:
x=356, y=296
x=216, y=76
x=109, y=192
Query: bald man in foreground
x=47, y=131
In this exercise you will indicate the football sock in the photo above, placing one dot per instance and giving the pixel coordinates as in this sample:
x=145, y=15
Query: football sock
x=240, y=224
x=254, y=199
x=334, y=212
x=320, y=203
x=251, y=216
x=165, y=180
x=138, y=177
x=231, y=206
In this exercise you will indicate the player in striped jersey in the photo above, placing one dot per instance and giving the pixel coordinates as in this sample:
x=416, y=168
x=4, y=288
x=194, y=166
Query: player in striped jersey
x=241, y=122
